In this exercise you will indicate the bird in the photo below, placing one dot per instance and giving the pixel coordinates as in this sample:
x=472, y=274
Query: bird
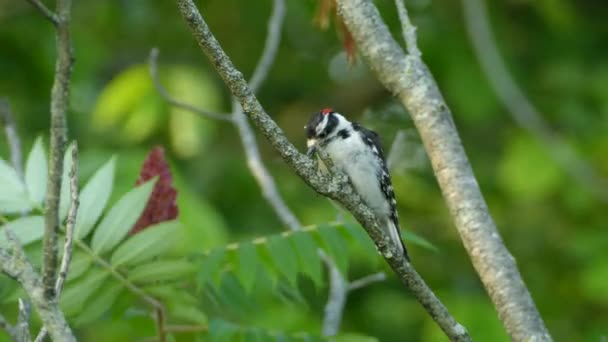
x=357, y=151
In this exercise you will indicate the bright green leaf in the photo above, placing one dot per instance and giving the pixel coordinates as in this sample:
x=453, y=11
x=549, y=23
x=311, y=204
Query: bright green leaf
x=247, y=265
x=187, y=312
x=94, y=198
x=121, y=218
x=160, y=270
x=337, y=248
x=220, y=330
x=360, y=235
x=209, y=266
x=124, y=92
x=36, y=172
x=308, y=256
x=76, y=295
x=418, y=240
x=99, y=304
x=284, y=258
x=27, y=229
x=79, y=264
x=152, y=241
x=13, y=196
x=527, y=171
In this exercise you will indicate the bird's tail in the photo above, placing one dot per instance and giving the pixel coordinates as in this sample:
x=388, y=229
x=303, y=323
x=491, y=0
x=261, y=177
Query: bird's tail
x=394, y=233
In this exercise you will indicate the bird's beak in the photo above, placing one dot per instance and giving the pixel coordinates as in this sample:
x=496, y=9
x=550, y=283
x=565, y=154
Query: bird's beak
x=312, y=146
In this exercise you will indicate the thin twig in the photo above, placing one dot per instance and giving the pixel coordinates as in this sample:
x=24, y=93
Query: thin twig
x=58, y=137
x=16, y=265
x=407, y=30
x=336, y=187
x=10, y=129
x=50, y=15
x=23, y=321
x=259, y=171
x=71, y=222
x=411, y=81
x=519, y=106
x=367, y=280
x=336, y=297
x=271, y=46
x=69, y=234
x=172, y=100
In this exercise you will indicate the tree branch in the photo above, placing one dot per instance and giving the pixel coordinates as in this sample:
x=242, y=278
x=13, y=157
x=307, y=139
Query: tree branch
x=369, y=279
x=15, y=264
x=337, y=187
x=407, y=30
x=50, y=15
x=172, y=100
x=271, y=46
x=10, y=129
x=59, y=108
x=69, y=234
x=23, y=321
x=410, y=80
x=519, y=106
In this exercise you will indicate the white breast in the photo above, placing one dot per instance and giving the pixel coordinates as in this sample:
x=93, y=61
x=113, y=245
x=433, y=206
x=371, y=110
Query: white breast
x=356, y=159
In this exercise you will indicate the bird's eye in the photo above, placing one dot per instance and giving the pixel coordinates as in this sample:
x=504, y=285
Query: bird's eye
x=322, y=135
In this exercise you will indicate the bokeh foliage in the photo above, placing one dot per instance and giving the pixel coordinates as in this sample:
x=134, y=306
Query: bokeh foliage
x=556, y=230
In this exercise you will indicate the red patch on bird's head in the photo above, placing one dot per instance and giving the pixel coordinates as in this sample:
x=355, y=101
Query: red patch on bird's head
x=326, y=111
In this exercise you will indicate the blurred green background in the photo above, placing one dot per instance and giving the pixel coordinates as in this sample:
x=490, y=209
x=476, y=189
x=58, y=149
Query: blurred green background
x=556, y=229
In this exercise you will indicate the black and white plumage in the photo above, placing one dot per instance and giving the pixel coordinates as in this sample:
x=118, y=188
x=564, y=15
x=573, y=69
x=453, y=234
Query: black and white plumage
x=357, y=151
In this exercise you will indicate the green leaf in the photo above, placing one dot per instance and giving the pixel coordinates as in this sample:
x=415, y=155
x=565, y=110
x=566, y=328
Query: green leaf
x=79, y=264
x=121, y=96
x=152, y=241
x=308, y=256
x=94, y=198
x=160, y=270
x=527, y=171
x=282, y=254
x=99, y=304
x=360, y=235
x=64, y=200
x=220, y=330
x=247, y=265
x=419, y=240
x=209, y=265
x=13, y=197
x=121, y=218
x=337, y=248
x=76, y=295
x=27, y=229
x=187, y=312
x=36, y=172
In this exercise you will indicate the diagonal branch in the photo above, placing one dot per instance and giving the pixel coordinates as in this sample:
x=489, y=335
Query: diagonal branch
x=337, y=187
x=519, y=106
x=50, y=15
x=410, y=80
x=271, y=46
x=172, y=100
x=338, y=284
